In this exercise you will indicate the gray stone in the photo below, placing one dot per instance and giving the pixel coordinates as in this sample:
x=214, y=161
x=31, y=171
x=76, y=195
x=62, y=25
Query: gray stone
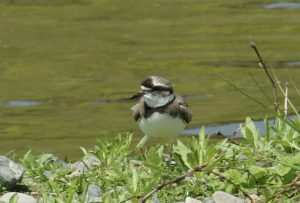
x=50, y=158
x=208, y=200
x=223, y=197
x=21, y=198
x=87, y=163
x=192, y=200
x=28, y=181
x=62, y=163
x=10, y=172
x=47, y=173
x=255, y=199
x=155, y=200
x=94, y=193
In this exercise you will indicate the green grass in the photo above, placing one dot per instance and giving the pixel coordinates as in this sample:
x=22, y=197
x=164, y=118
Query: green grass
x=72, y=52
x=265, y=166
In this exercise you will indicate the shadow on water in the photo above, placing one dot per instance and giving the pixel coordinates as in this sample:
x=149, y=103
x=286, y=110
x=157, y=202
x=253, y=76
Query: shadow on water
x=279, y=5
x=229, y=130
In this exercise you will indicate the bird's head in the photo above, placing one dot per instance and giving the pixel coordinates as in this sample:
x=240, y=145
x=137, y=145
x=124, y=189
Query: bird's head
x=156, y=90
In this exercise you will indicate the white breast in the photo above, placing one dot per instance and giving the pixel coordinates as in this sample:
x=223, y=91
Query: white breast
x=161, y=125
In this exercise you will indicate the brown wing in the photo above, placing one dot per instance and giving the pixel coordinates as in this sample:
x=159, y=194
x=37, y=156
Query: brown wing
x=135, y=112
x=138, y=110
x=184, y=111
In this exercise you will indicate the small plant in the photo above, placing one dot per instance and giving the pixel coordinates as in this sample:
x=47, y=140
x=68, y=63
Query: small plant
x=268, y=166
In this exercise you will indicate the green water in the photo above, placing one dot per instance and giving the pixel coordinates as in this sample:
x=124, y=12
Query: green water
x=70, y=54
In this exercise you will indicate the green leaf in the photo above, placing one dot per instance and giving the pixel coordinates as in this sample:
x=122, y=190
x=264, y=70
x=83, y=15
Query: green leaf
x=247, y=133
x=183, y=151
x=267, y=128
x=14, y=198
x=202, y=138
x=84, y=151
x=59, y=200
x=142, y=142
x=235, y=175
x=192, y=159
x=154, y=156
x=134, y=178
x=258, y=171
x=282, y=170
x=70, y=199
x=84, y=194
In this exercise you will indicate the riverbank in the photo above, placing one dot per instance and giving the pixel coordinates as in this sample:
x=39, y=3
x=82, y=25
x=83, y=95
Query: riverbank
x=266, y=168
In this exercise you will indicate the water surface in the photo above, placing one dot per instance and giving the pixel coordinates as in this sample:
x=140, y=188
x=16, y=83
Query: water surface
x=278, y=5
x=63, y=69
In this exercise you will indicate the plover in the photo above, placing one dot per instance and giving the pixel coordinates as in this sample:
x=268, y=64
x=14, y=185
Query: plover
x=159, y=112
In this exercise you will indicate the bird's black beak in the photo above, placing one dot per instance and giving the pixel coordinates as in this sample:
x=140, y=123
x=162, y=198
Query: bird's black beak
x=137, y=95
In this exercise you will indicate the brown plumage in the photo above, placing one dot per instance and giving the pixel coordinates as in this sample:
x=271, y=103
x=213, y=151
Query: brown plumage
x=176, y=107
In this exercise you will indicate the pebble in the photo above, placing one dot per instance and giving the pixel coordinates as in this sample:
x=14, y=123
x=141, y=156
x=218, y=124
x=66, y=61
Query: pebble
x=47, y=174
x=27, y=181
x=192, y=200
x=208, y=200
x=21, y=198
x=80, y=166
x=94, y=193
x=254, y=199
x=155, y=200
x=223, y=197
x=10, y=172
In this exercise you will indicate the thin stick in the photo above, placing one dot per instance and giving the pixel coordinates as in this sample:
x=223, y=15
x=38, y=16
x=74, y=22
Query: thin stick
x=286, y=99
x=144, y=198
x=237, y=186
x=263, y=65
x=253, y=78
x=293, y=185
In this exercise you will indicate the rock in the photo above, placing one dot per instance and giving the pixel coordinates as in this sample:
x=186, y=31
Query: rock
x=80, y=166
x=223, y=197
x=21, y=198
x=94, y=193
x=155, y=200
x=241, y=157
x=254, y=199
x=208, y=200
x=28, y=181
x=10, y=172
x=192, y=200
x=50, y=158
x=47, y=174
x=62, y=163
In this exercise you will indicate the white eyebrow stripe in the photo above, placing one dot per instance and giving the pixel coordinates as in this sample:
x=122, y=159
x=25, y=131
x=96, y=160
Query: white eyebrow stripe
x=144, y=88
x=156, y=83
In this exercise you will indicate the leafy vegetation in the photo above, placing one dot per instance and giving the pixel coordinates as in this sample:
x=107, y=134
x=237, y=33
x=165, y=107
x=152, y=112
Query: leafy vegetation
x=268, y=166
x=71, y=53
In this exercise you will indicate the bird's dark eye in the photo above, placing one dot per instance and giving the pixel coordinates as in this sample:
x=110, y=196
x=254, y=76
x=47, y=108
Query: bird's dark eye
x=156, y=88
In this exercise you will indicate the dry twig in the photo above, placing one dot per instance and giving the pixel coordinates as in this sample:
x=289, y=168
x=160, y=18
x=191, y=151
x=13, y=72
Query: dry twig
x=165, y=183
x=293, y=185
x=246, y=194
x=286, y=99
x=263, y=65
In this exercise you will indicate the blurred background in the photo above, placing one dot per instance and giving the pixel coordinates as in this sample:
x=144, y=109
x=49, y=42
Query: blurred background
x=66, y=65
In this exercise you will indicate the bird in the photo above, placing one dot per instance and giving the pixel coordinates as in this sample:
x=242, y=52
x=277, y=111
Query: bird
x=158, y=111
